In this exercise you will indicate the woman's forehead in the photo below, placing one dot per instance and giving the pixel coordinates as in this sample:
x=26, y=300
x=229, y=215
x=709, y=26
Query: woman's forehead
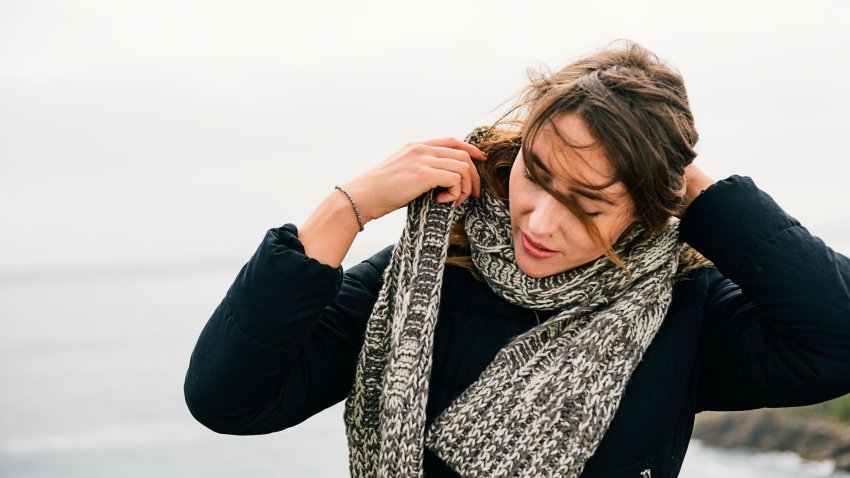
x=573, y=162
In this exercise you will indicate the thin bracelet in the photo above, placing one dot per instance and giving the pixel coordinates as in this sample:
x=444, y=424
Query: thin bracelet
x=356, y=210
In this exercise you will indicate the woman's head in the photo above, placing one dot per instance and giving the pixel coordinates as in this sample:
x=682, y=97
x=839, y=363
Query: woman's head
x=587, y=179
x=615, y=124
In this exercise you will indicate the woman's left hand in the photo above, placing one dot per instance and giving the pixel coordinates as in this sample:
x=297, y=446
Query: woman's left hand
x=696, y=181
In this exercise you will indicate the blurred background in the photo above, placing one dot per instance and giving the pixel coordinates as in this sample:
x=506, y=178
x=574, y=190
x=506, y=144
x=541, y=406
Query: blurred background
x=146, y=147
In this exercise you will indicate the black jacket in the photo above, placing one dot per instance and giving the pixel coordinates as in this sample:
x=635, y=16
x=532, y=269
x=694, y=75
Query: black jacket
x=769, y=326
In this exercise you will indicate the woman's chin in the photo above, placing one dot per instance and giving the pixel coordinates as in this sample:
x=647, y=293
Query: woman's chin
x=536, y=275
x=530, y=266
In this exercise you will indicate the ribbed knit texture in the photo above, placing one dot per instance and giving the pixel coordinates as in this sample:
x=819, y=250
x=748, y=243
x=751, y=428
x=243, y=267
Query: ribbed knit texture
x=543, y=404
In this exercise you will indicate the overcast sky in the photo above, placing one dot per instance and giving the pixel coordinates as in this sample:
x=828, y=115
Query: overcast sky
x=174, y=133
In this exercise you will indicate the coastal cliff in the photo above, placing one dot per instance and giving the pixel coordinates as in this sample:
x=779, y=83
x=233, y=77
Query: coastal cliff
x=816, y=432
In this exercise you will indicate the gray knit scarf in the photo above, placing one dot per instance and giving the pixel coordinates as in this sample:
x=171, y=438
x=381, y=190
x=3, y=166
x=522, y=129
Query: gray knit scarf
x=543, y=404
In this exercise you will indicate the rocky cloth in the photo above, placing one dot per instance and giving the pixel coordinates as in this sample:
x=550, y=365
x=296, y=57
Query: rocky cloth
x=543, y=404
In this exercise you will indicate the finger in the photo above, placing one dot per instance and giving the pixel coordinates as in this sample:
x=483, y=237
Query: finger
x=449, y=180
x=461, y=168
x=451, y=142
x=461, y=156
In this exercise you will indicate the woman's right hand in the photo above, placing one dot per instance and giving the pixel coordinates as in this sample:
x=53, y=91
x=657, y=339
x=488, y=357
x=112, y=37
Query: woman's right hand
x=418, y=167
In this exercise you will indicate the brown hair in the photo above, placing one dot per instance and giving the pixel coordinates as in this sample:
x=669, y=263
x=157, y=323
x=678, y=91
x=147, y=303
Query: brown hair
x=636, y=108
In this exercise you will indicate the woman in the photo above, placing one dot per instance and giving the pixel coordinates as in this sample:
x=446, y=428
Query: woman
x=562, y=301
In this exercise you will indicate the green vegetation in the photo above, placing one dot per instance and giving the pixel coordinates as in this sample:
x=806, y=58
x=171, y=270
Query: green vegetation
x=836, y=409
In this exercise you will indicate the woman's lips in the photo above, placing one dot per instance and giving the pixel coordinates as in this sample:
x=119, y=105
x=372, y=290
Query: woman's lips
x=535, y=251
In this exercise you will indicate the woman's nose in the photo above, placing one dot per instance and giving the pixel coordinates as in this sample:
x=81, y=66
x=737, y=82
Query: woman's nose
x=548, y=215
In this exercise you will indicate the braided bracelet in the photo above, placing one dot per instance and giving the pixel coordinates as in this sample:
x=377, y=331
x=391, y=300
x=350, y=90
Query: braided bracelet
x=356, y=210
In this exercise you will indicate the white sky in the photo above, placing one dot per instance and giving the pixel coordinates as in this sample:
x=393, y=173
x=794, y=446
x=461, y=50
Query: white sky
x=173, y=134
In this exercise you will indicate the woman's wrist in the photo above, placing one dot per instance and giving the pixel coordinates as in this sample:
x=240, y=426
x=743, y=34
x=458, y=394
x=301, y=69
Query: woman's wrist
x=360, y=221
x=328, y=233
x=696, y=181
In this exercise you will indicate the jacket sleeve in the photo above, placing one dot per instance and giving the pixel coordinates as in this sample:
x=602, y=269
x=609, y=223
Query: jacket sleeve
x=776, y=324
x=283, y=343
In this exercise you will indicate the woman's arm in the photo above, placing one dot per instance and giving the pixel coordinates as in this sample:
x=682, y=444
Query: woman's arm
x=283, y=343
x=776, y=328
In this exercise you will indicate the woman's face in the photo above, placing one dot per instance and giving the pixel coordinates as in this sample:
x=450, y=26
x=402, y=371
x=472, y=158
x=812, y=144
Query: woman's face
x=542, y=219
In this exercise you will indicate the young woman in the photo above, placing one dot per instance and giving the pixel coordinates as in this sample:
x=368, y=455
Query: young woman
x=568, y=292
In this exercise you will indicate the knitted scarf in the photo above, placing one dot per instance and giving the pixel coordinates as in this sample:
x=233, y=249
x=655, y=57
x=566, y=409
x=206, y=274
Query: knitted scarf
x=543, y=404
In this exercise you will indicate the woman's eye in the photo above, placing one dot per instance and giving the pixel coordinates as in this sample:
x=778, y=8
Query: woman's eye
x=532, y=181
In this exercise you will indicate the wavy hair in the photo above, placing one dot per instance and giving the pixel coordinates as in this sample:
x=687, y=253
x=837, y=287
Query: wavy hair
x=636, y=108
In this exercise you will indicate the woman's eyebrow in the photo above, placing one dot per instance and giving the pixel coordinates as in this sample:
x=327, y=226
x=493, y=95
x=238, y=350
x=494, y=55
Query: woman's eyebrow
x=594, y=196
x=587, y=193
